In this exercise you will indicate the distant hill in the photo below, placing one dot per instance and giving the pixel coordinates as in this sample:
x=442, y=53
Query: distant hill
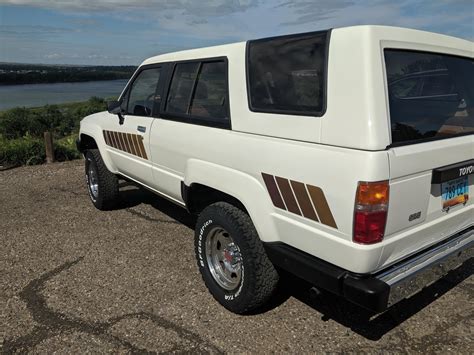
x=16, y=73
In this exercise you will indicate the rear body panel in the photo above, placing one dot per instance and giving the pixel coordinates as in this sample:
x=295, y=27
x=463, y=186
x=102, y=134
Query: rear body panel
x=416, y=218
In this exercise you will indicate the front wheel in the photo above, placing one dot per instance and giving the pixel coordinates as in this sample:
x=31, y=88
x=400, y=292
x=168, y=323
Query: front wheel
x=232, y=260
x=101, y=183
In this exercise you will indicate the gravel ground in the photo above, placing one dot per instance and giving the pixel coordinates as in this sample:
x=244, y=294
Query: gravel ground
x=76, y=280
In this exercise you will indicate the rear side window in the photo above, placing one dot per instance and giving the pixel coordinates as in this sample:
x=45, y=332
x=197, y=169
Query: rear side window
x=209, y=99
x=287, y=74
x=199, y=93
x=182, y=87
x=431, y=96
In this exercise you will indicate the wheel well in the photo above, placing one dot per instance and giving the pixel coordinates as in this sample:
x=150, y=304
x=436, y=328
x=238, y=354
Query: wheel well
x=87, y=142
x=198, y=197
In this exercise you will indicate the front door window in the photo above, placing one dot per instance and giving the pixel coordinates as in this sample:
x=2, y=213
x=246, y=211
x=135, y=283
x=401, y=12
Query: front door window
x=143, y=96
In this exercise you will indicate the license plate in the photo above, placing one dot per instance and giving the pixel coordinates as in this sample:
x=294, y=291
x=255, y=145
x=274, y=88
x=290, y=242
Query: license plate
x=454, y=192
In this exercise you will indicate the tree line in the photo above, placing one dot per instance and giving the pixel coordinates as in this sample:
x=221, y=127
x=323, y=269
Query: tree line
x=16, y=74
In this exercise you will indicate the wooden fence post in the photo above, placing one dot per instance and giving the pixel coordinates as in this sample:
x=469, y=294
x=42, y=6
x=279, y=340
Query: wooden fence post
x=49, y=148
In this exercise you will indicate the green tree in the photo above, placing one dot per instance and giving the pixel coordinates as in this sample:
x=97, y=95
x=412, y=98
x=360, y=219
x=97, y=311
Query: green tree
x=15, y=123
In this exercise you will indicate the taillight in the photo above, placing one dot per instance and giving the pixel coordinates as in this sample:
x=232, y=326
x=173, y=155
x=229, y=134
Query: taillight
x=370, y=212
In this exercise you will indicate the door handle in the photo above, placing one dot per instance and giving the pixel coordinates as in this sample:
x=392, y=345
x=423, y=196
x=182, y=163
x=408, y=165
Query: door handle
x=141, y=129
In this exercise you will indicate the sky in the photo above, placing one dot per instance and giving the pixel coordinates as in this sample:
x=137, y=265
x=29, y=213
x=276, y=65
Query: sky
x=122, y=32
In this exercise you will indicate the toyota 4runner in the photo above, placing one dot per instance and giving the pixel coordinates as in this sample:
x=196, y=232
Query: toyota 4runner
x=343, y=156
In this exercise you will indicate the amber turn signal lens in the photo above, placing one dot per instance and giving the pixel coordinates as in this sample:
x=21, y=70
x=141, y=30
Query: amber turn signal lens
x=372, y=193
x=370, y=212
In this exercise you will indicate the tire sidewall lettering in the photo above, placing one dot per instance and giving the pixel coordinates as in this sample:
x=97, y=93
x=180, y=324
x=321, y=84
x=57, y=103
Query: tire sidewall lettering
x=203, y=261
x=200, y=241
x=231, y=297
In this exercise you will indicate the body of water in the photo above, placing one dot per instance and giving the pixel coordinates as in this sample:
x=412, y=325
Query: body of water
x=33, y=95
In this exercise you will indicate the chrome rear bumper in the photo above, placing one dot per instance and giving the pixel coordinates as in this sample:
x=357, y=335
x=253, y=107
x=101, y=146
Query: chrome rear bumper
x=378, y=291
x=411, y=275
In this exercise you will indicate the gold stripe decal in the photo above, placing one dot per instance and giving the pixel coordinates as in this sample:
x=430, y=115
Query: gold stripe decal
x=142, y=147
x=135, y=145
x=322, y=206
x=273, y=190
x=287, y=194
x=116, y=139
x=303, y=200
x=119, y=143
x=299, y=198
x=112, y=139
x=130, y=141
x=105, y=137
x=122, y=143
x=126, y=142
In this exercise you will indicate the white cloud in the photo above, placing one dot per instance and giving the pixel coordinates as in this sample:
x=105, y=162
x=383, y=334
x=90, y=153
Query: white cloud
x=53, y=56
x=169, y=25
x=219, y=18
x=209, y=7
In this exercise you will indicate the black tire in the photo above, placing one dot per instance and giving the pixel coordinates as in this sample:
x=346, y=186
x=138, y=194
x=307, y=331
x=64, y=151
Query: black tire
x=259, y=277
x=107, y=195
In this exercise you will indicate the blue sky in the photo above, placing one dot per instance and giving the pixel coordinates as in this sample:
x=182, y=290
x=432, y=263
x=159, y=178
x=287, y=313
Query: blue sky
x=119, y=32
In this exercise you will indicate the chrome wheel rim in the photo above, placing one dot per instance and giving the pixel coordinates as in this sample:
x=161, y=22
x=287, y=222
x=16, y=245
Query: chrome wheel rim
x=93, y=182
x=224, y=259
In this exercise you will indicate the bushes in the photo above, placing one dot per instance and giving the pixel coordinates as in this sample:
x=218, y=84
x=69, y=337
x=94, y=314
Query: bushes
x=22, y=151
x=65, y=148
x=30, y=151
x=21, y=131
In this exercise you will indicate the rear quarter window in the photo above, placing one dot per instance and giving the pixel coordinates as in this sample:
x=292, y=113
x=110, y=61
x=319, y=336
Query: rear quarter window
x=287, y=74
x=199, y=93
x=431, y=96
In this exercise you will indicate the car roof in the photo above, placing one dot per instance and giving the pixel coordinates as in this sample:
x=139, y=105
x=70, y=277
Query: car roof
x=205, y=52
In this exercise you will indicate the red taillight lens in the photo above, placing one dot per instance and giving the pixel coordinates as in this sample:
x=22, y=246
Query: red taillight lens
x=369, y=227
x=370, y=212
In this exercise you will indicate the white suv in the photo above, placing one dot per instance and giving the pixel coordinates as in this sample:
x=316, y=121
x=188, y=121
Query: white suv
x=344, y=156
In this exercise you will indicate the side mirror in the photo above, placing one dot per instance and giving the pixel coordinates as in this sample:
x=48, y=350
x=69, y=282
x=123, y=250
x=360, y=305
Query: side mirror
x=141, y=110
x=115, y=108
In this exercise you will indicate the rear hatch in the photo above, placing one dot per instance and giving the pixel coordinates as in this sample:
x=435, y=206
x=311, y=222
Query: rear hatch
x=431, y=101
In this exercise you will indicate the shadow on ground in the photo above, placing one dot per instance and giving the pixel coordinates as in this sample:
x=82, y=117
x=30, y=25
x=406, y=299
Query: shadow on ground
x=363, y=322
x=132, y=195
x=50, y=323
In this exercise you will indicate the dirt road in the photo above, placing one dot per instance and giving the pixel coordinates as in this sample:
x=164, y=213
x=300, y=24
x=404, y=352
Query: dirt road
x=77, y=280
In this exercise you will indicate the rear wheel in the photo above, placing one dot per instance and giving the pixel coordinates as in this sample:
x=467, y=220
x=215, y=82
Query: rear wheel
x=232, y=260
x=101, y=183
